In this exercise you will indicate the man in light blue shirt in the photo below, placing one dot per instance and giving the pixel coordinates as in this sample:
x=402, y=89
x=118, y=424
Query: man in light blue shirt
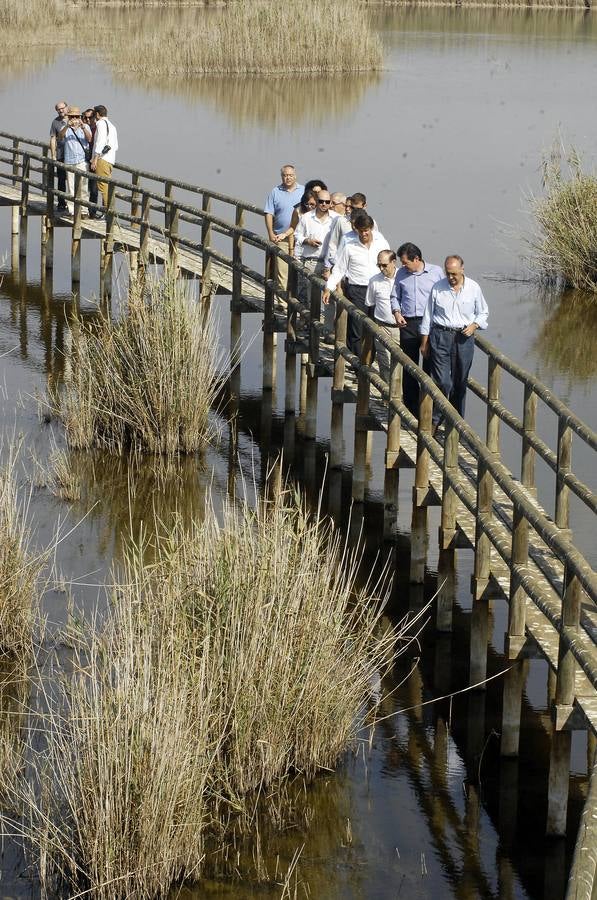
x=76, y=136
x=455, y=309
x=412, y=286
x=279, y=206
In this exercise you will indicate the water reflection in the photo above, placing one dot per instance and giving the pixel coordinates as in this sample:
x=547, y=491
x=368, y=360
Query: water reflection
x=567, y=338
x=270, y=102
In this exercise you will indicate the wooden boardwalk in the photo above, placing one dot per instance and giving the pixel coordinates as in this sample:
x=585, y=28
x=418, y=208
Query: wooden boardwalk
x=522, y=553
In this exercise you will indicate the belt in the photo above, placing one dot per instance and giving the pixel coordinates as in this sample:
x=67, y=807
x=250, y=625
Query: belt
x=386, y=324
x=446, y=328
x=413, y=318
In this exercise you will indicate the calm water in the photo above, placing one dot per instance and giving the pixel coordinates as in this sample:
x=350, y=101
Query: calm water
x=446, y=143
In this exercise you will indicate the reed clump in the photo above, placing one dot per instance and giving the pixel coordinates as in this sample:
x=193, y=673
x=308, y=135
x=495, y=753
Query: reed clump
x=257, y=36
x=19, y=569
x=242, y=653
x=563, y=247
x=145, y=382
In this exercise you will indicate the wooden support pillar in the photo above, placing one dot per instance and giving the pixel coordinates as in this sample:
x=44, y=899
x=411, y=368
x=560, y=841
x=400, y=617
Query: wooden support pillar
x=529, y=425
x=23, y=226
x=75, y=253
x=446, y=590
x=268, y=321
x=173, y=240
x=337, y=423
x=419, y=538
x=479, y=635
x=310, y=426
x=392, y=469
x=559, y=763
x=206, y=247
x=514, y=682
x=145, y=230
x=449, y=506
x=135, y=199
x=362, y=434
x=235, y=349
x=564, y=460
x=303, y=385
x=14, y=239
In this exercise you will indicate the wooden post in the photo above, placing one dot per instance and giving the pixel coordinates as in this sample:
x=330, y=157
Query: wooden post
x=446, y=590
x=206, y=246
x=290, y=359
x=337, y=423
x=518, y=597
x=145, y=229
x=482, y=566
x=529, y=425
x=562, y=513
x=392, y=454
x=135, y=196
x=237, y=256
x=449, y=500
x=315, y=315
x=49, y=217
x=361, y=430
x=419, y=537
x=173, y=239
x=75, y=256
x=107, y=261
x=514, y=682
x=26, y=172
x=559, y=777
x=15, y=211
x=268, y=321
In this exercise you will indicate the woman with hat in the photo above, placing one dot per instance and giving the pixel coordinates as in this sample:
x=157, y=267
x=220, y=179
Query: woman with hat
x=76, y=136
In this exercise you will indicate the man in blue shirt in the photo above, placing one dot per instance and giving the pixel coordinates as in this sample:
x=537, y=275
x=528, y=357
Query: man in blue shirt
x=279, y=206
x=76, y=137
x=412, y=286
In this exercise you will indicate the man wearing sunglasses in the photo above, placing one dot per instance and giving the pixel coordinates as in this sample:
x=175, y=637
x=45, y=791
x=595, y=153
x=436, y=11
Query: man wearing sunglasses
x=310, y=237
x=57, y=146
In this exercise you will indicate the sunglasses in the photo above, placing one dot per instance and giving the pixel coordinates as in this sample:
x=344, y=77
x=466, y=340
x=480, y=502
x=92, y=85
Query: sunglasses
x=383, y=265
x=325, y=201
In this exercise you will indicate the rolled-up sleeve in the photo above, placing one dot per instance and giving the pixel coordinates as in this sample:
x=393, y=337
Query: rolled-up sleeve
x=340, y=269
x=481, y=311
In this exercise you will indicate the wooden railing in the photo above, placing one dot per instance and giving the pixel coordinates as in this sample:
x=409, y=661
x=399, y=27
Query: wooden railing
x=147, y=214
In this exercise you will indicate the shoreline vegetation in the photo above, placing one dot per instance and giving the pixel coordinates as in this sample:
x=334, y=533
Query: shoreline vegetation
x=146, y=382
x=233, y=37
x=563, y=243
x=240, y=656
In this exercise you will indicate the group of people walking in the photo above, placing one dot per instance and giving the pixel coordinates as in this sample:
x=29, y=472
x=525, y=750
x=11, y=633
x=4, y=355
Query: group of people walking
x=88, y=141
x=431, y=312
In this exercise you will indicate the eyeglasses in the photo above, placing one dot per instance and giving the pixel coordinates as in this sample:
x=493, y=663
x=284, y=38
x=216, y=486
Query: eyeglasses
x=60, y=108
x=324, y=201
x=383, y=265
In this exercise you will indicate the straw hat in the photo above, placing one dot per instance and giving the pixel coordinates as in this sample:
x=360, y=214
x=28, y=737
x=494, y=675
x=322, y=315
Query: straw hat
x=73, y=111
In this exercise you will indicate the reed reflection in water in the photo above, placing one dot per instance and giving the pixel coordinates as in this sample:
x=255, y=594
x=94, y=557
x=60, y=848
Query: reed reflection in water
x=567, y=338
x=270, y=102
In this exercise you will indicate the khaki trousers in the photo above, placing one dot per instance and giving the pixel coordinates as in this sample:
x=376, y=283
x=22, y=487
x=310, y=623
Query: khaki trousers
x=282, y=276
x=103, y=169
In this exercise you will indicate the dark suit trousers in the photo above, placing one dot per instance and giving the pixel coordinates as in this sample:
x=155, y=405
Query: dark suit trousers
x=410, y=341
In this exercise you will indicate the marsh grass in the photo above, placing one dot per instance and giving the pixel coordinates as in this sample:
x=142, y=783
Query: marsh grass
x=563, y=245
x=19, y=567
x=145, y=382
x=257, y=36
x=242, y=654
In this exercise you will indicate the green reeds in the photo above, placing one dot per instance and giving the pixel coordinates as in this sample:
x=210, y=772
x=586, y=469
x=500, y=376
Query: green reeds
x=563, y=248
x=145, y=382
x=243, y=653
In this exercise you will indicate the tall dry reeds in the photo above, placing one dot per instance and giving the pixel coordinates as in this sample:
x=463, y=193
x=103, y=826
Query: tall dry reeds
x=19, y=568
x=258, y=36
x=241, y=654
x=563, y=246
x=146, y=381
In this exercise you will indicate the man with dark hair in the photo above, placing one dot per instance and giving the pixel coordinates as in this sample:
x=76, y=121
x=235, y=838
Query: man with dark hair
x=412, y=286
x=455, y=309
x=356, y=263
x=57, y=147
x=105, y=145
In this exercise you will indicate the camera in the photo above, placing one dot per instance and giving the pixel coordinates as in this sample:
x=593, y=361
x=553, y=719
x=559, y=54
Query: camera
x=106, y=149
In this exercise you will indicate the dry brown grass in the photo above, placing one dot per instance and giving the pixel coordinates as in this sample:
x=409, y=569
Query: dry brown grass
x=243, y=653
x=563, y=246
x=19, y=568
x=147, y=381
x=258, y=36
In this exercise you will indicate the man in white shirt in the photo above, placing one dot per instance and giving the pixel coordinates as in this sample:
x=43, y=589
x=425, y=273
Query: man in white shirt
x=378, y=305
x=310, y=236
x=455, y=309
x=105, y=145
x=356, y=263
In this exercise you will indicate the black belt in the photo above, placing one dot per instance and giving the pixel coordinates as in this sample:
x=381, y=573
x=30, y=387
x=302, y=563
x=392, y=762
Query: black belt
x=386, y=324
x=413, y=318
x=446, y=328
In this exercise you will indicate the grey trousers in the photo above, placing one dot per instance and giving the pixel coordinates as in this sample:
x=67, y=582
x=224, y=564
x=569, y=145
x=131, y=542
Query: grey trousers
x=315, y=266
x=451, y=356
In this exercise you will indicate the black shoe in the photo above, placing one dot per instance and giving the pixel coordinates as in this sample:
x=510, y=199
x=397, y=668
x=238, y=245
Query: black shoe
x=98, y=214
x=61, y=207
